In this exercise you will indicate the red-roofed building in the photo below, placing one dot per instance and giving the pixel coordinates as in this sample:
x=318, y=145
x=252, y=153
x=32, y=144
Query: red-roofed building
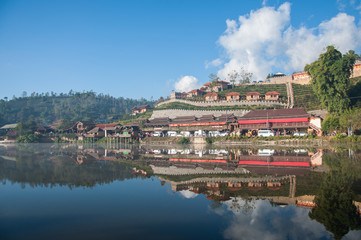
x=194, y=93
x=278, y=120
x=272, y=96
x=220, y=86
x=252, y=96
x=211, y=97
x=232, y=96
x=207, y=87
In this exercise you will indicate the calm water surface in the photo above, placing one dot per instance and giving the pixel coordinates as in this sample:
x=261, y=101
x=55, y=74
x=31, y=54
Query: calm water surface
x=133, y=192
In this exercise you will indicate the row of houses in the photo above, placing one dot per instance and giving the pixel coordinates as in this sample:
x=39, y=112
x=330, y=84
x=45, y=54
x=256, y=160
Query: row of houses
x=280, y=121
x=231, y=96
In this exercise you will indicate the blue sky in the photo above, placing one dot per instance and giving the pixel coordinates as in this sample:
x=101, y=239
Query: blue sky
x=142, y=48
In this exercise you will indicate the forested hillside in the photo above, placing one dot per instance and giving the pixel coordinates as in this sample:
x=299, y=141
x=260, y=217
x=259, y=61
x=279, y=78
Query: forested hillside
x=73, y=106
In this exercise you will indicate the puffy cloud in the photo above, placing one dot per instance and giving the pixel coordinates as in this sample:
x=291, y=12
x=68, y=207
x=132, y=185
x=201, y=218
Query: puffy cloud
x=264, y=41
x=186, y=84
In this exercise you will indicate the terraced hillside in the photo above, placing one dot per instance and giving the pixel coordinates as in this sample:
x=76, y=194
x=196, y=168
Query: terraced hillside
x=305, y=97
x=179, y=105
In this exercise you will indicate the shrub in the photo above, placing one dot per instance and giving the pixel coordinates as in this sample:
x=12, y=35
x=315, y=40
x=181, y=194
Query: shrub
x=184, y=140
x=209, y=140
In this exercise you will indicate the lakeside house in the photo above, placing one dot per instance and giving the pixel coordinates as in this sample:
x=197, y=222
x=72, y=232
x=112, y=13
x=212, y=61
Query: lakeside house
x=9, y=131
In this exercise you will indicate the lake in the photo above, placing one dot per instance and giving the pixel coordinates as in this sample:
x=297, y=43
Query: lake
x=60, y=191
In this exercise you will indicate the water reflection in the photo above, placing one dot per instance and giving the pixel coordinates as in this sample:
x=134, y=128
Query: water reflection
x=255, y=190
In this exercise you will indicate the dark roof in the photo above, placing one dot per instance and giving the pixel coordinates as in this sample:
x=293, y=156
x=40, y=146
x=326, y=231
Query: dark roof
x=95, y=130
x=157, y=122
x=141, y=107
x=107, y=125
x=276, y=113
x=206, y=119
x=186, y=119
x=227, y=118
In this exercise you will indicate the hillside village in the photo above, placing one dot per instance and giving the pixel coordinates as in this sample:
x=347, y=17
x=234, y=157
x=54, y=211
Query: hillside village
x=216, y=109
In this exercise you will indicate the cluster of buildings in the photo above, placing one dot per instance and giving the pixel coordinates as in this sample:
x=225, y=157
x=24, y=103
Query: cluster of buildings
x=84, y=129
x=280, y=121
x=209, y=92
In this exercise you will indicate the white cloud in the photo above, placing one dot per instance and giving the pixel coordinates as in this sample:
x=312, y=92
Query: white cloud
x=186, y=84
x=215, y=63
x=264, y=41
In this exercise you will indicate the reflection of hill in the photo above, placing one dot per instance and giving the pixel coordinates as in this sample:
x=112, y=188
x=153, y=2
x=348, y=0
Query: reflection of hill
x=62, y=170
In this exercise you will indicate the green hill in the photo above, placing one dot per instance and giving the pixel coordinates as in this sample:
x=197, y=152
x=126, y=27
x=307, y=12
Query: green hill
x=86, y=106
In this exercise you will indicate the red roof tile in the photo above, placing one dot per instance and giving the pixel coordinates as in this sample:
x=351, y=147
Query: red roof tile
x=233, y=94
x=211, y=94
x=272, y=93
x=252, y=93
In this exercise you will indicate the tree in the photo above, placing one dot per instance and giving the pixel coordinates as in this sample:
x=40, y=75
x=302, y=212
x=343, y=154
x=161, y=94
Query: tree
x=233, y=76
x=213, y=78
x=240, y=75
x=330, y=78
x=331, y=123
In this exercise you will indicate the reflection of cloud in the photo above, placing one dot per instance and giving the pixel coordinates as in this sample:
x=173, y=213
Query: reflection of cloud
x=188, y=194
x=267, y=222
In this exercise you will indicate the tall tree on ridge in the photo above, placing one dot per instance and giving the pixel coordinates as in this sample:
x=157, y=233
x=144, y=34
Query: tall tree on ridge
x=330, y=78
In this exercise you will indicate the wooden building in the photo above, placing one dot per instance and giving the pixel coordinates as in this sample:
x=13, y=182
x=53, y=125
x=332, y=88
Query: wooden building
x=279, y=120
